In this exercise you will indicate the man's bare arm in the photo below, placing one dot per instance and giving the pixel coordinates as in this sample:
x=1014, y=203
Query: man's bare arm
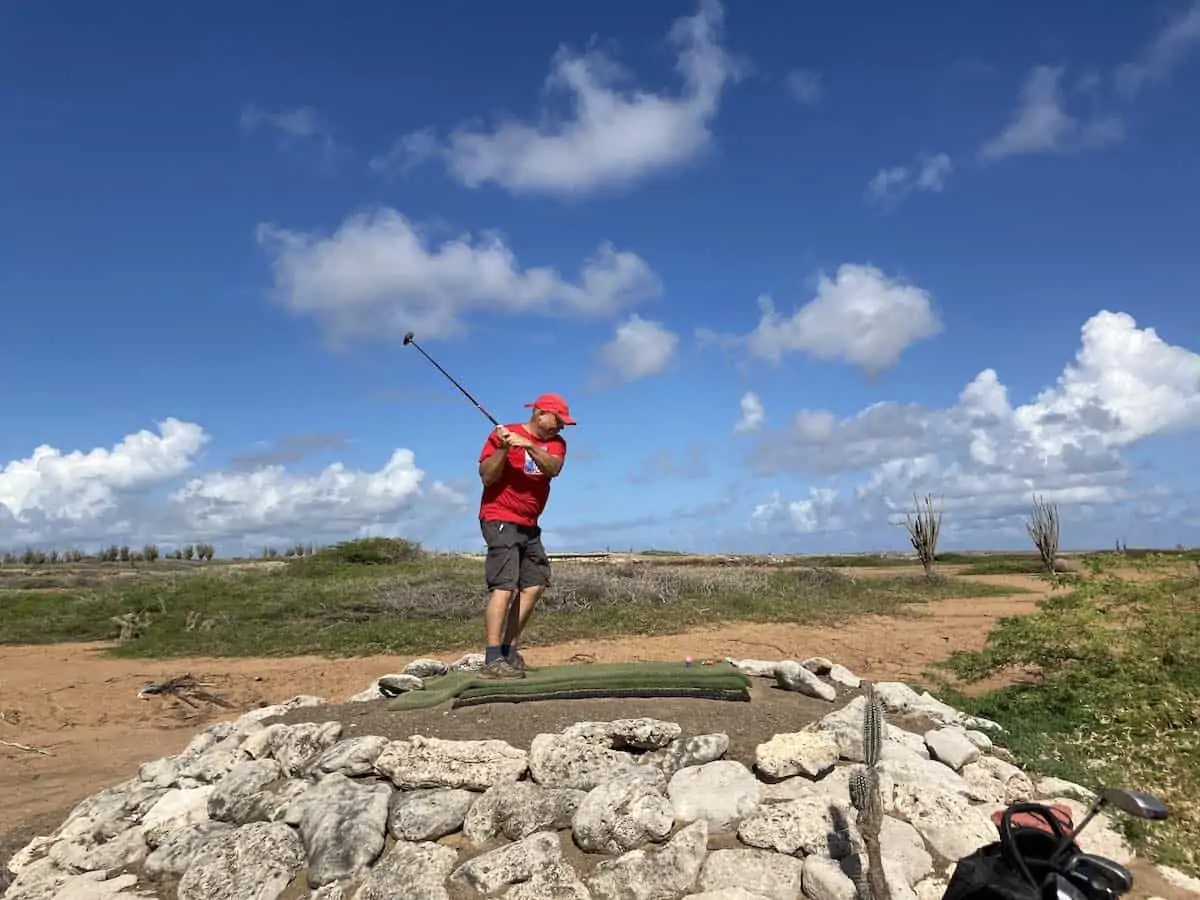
x=492, y=468
x=550, y=464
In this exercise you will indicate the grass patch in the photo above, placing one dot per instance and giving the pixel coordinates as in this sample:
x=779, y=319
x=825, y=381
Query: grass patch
x=338, y=604
x=1116, y=700
x=1025, y=564
x=865, y=561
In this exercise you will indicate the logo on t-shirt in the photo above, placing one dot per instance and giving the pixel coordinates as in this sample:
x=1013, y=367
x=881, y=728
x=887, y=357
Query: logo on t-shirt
x=531, y=467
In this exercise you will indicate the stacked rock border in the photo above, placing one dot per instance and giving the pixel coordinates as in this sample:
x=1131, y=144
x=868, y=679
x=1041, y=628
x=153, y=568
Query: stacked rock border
x=631, y=809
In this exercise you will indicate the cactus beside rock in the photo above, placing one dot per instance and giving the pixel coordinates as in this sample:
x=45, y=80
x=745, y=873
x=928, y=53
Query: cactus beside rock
x=865, y=796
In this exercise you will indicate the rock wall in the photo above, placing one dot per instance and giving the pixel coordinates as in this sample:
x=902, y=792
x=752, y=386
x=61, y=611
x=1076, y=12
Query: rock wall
x=632, y=809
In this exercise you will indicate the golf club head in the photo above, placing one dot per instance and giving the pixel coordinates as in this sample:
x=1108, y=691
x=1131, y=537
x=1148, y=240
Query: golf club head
x=1099, y=873
x=408, y=338
x=1057, y=887
x=1135, y=803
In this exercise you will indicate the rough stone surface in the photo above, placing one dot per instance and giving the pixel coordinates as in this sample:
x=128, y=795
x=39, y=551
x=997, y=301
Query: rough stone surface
x=638, y=734
x=342, y=823
x=422, y=762
x=258, y=811
x=761, y=872
x=517, y=809
x=560, y=760
x=794, y=676
x=723, y=792
x=256, y=861
x=512, y=863
x=624, y=812
x=684, y=752
x=809, y=753
x=951, y=746
x=661, y=874
x=410, y=871
x=426, y=814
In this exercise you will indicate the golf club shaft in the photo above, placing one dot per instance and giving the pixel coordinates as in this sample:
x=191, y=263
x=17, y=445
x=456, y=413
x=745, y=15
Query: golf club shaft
x=449, y=377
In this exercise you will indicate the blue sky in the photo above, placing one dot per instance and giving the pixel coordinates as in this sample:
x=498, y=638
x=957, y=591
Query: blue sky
x=924, y=252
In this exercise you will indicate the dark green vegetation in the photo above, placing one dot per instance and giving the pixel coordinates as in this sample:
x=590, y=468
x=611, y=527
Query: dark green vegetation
x=387, y=596
x=1116, y=700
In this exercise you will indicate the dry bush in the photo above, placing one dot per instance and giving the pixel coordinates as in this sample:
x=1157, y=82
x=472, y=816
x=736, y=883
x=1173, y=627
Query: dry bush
x=576, y=587
x=132, y=625
x=587, y=586
x=923, y=531
x=1043, y=531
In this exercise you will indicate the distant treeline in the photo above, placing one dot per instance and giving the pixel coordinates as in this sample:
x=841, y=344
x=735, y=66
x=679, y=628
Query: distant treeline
x=201, y=552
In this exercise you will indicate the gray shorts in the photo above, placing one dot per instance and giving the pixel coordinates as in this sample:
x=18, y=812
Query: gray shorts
x=516, y=558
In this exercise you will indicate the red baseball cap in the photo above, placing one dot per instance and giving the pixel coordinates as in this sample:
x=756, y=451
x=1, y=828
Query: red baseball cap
x=553, y=403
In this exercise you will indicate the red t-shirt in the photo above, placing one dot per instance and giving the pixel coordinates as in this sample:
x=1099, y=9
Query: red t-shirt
x=521, y=493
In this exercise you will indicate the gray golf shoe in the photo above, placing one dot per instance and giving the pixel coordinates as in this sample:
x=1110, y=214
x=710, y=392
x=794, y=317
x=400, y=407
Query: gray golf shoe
x=501, y=669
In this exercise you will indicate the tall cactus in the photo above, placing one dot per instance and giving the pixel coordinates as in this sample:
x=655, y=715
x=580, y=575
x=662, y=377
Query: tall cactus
x=865, y=797
x=874, y=725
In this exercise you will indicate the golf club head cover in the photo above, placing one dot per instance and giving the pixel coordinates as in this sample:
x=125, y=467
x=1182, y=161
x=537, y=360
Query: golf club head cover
x=1029, y=820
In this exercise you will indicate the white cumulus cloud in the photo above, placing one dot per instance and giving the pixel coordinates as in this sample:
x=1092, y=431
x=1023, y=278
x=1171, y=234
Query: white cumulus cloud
x=379, y=275
x=138, y=491
x=74, y=487
x=753, y=413
x=860, y=316
x=984, y=457
x=639, y=348
x=614, y=135
x=272, y=500
x=806, y=516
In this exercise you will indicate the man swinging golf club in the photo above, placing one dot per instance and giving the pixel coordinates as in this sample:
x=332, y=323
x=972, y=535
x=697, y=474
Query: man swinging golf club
x=516, y=466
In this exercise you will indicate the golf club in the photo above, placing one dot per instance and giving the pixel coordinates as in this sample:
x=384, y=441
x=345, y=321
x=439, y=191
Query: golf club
x=408, y=339
x=1134, y=803
x=1099, y=876
x=1059, y=888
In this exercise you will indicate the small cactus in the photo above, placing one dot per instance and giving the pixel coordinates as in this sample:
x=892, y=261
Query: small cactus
x=864, y=794
x=874, y=725
x=865, y=797
x=859, y=790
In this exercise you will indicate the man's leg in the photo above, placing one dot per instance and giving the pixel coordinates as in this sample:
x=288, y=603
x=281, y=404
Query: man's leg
x=533, y=580
x=518, y=615
x=495, y=621
x=502, y=570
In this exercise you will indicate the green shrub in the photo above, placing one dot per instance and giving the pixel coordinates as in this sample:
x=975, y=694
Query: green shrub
x=376, y=551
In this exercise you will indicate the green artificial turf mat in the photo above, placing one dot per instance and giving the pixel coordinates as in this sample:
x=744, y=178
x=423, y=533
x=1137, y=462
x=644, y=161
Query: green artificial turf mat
x=720, y=681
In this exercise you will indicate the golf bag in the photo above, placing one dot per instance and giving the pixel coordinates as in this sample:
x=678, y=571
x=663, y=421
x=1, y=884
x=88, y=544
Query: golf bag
x=1018, y=864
